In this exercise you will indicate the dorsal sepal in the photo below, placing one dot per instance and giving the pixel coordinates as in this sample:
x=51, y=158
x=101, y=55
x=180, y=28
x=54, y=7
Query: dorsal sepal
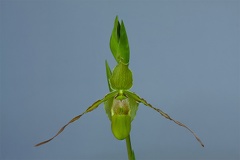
x=121, y=77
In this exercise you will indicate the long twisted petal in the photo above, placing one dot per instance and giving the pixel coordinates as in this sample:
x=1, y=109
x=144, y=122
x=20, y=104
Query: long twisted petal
x=141, y=100
x=89, y=109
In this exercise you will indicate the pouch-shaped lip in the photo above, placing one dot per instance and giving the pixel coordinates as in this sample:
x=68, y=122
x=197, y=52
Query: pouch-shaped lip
x=121, y=126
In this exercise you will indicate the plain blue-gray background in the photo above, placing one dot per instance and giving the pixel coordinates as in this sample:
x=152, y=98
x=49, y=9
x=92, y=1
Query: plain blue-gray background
x=184, y=57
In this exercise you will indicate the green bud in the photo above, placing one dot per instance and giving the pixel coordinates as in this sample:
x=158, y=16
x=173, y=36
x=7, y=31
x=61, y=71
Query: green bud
x=119, y=42
x=121, y=126
x=121, y=77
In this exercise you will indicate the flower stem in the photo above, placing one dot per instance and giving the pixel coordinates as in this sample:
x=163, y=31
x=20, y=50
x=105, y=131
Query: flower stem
x=131, y=155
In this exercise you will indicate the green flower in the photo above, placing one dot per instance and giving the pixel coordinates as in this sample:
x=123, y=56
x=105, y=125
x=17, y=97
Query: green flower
x=120, y=103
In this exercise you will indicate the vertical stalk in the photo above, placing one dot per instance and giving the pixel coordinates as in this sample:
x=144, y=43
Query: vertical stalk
x=131, y=155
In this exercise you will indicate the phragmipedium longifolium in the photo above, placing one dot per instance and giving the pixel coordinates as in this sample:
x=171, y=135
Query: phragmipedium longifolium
x=120, y=103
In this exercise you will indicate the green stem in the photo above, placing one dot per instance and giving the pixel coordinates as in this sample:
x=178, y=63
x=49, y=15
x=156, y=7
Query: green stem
x=131, y=155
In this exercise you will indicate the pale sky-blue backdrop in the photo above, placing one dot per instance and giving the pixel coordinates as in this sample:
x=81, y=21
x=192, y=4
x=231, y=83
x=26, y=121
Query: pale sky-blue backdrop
x=184, y=57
